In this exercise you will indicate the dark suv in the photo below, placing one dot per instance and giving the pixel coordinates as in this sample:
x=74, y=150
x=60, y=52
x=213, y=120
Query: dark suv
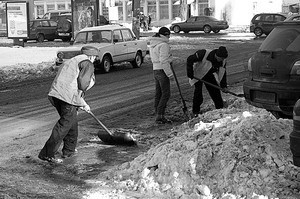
x=264, y=23
x=41, y=29
x=274, y=71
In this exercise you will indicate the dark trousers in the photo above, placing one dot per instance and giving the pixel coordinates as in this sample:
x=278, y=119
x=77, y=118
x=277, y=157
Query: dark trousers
x=162, y=91
x=65, y=130
x=214, y=93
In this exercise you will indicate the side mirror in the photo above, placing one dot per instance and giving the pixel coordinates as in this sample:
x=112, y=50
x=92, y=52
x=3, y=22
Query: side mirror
x=71, y=42
x=115, y=40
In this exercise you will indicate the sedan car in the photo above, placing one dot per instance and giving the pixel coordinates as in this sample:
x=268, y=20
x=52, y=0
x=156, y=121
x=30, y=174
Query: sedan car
x=115, y=44
x=200, y=23
x=274, y=71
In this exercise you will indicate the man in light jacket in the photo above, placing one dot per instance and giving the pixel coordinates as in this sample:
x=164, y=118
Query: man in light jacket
x=66, y=94
x=210, y=66
x=161, y=59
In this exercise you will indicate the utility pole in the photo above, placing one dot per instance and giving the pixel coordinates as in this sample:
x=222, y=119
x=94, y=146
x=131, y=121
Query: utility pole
x=136, y=18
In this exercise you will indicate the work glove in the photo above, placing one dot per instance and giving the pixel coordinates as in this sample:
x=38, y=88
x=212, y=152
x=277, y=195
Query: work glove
x=85, y=108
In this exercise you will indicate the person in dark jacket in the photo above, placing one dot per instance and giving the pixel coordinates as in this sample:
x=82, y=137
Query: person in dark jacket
x=210, y=66
x=73, y=79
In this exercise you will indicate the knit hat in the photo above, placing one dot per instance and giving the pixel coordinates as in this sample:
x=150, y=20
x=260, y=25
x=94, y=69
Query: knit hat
x=89, y=51
x=222, y=52
x=164, y=31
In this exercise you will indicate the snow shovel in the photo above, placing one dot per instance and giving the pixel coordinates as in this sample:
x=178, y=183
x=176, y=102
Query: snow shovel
x=119, y=138
x=184, y=108
x=218, y=87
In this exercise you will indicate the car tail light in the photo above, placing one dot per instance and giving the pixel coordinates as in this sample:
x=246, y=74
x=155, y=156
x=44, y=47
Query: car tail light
x=249, y=65
x=296, y=68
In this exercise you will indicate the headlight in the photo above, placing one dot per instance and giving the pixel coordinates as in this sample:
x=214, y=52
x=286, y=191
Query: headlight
x=60, y=55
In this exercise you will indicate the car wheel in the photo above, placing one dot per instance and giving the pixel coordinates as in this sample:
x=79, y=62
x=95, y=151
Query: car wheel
x=216, y=31
x=176, y=29
x=138, y=60
x=40, y=38
x=106, y=64
x=66, y=39
x=258, y=32
x=207, y=29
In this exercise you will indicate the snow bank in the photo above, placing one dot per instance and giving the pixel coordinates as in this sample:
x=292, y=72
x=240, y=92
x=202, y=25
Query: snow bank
x=238, y=152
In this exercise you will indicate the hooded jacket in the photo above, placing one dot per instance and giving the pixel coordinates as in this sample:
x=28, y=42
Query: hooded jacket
x=72, y=80
x=160, y=54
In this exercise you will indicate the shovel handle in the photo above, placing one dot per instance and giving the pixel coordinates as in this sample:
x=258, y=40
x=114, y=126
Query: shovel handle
x=102, y=125
x=218, y=87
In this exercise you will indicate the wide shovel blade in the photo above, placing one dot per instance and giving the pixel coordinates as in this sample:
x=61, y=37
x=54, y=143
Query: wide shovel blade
x=115, y=137
x=218, y=87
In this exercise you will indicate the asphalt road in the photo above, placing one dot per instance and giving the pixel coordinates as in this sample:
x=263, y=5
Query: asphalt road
x=122, y=98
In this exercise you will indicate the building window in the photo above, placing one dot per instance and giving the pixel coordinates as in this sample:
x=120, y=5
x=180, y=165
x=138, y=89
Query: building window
x=40, y=11
x=61, y=6
x=50, y=7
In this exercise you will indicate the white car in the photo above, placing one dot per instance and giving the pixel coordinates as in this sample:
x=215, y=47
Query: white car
x=115, y=44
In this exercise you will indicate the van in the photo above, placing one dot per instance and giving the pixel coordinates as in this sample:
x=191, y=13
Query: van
x=53, y=14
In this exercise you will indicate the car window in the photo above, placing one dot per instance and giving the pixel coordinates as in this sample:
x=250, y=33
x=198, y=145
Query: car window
x=106, y=36
x=80, y=38
x=127, y=36
x=269, y=18
x=45, y=23
x=46, y=16
x=282, y=39
x=279, y=18
x=259, y=17
x=117, y=36
x=296, y=18
x=53, y=23
x=200, y=19
x=192, y=19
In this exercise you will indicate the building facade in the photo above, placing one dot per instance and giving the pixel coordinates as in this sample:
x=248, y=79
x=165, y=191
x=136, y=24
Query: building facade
x=162, y=12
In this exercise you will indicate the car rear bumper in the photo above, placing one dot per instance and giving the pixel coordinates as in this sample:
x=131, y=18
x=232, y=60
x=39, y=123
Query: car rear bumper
x=272, y=97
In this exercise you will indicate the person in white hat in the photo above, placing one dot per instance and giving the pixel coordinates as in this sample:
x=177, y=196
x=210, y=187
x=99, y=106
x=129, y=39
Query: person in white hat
x=73, y=79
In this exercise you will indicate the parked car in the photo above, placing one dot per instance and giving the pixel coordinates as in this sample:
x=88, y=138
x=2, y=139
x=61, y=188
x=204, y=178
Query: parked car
x=115, y=43
x=263, y=23
x=54, y=14
x=41, y=29
x=293, y=17
x=64, y=27
x=200, y=23
x=274, y=71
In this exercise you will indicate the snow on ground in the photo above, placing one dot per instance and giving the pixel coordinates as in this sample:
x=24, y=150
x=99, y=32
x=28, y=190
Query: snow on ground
x=240, y=152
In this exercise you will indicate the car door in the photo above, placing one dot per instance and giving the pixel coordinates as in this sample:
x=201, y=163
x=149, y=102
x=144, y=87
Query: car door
x=200, y=22
x=131, y=43
x=120, y=47
x=48, y=29
x=190, y=24
x=268, y=21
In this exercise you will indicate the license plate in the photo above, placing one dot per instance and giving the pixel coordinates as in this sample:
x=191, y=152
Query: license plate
x=260, y=96
x=64, y=34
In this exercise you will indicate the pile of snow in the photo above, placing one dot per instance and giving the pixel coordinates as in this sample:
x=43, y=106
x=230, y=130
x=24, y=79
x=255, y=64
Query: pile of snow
x=18, y=63
x=237, y=152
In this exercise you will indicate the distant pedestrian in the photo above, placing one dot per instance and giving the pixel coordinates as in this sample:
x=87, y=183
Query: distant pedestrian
x=73, y=79
x=210, y=66
x=161, y=59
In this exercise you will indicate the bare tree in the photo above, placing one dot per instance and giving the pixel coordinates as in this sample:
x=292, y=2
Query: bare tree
x=183, y=9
